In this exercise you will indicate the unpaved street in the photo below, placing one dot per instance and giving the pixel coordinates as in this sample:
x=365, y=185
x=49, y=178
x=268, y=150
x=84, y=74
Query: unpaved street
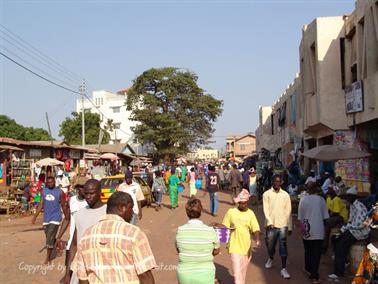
x=21, y=243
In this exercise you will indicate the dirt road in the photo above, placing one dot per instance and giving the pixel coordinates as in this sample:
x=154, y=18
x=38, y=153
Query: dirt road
x=21, y=242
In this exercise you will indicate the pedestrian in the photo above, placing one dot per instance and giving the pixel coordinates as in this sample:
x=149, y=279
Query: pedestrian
x=355, y=230
x=158, y=188
x=183, y=173
x=212, y=183
x=329, y=180
x=196, y=244
x=243, y=222
x=114, y=251
x=74, y=204
x=192, y=183
x=53, y=202
x=311, y=177
x=220, y=172
x=236, y=181
x=133, y=188
x=167, y=174
x=253, y=185
x=277, y=211
x=312, y=212
x=63, y=182
x=84, y=218
x=173, y=181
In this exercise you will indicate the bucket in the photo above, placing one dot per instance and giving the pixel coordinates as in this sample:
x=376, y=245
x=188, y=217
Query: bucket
x=198, y=183
x=180, y=188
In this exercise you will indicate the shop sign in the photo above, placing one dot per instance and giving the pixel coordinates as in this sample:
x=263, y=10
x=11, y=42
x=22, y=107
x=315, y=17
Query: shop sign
x=35, y=152
x=75, y=154
x=354, y=99
x=82, y=164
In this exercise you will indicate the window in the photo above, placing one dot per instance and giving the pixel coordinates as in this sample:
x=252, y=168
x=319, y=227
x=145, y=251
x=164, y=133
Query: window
x=242, y=147
x=117, y=125
x=342, y=61
x=116, y=109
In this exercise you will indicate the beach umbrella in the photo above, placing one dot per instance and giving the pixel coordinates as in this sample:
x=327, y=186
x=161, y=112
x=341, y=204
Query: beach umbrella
x=109, y=156
x=335, y=153
x=49, y=162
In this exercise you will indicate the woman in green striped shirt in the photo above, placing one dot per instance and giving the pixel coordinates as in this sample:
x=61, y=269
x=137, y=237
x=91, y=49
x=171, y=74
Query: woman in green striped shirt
x=197, y=244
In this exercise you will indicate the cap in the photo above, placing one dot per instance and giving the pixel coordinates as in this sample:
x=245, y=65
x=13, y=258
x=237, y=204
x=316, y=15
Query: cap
x=60, y=173
x=352, y=190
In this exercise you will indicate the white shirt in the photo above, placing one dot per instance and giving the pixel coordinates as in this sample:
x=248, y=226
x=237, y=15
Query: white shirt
x=310, y=179
x=75, y=205
x=325, y=185
x=63, y=183
x=135, y=191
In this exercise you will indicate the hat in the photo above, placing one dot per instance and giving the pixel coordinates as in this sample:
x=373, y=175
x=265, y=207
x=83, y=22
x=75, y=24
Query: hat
x=312, y=171
x=60, y=173
x=128, y=174
x=352, y=190
x=326, y=173
x=243, y=196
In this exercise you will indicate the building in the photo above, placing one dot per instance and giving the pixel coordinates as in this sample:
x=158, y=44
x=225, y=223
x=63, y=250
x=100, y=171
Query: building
x=239, y=146
x=204, y=154
x=111, y=106
x=334, y=98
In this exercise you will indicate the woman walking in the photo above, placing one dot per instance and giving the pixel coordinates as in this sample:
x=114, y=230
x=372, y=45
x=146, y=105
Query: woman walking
x=253, y=185
x=192, y=183
x=244, y=222
x=173, y=182
x=197, y=244
x=158, y=188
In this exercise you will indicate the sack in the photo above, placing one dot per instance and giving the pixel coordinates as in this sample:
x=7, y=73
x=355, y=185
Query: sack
x=198, y=183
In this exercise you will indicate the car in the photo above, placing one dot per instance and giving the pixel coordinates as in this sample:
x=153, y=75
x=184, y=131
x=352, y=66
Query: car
x=109, y=185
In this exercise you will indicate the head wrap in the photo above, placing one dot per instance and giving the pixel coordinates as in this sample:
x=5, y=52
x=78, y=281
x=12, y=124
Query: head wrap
x=242, y=197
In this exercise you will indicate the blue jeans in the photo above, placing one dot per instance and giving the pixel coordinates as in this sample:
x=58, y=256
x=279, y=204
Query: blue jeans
x=272, y=236
x=158, y=197
x=134, y=219
x=214, y=202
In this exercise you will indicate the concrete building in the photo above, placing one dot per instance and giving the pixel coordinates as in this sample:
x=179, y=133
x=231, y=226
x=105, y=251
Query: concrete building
x=204, y=154
x=239, y=146
x=112, y=105
x=334, y=100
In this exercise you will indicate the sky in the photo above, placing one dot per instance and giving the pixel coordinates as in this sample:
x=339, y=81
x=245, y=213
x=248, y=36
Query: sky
x=244, y=52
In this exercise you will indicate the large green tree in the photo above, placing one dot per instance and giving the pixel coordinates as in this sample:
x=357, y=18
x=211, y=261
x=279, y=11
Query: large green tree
x=70, y=128
x=11, y=129
x=173, y=113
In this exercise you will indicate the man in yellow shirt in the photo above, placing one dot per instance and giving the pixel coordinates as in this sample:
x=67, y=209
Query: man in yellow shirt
x=244, y=223
x=338, y=214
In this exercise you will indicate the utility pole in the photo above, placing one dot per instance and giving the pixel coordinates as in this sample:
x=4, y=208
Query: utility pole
x=82, y=93
x=51, y=138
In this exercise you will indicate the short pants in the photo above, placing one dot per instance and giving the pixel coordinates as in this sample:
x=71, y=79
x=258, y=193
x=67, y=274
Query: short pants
x=50, y=232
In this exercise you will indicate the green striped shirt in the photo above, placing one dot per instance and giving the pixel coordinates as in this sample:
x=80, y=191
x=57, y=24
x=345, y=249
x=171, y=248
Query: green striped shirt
x=195, y=242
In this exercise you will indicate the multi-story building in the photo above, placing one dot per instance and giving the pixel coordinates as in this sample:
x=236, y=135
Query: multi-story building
x=334, y=99
x=111, y=106
x=239, y=146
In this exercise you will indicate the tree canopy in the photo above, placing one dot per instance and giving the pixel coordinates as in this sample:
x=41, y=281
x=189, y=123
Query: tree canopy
x=173, y=113
x=70, y=128
x=11, y=129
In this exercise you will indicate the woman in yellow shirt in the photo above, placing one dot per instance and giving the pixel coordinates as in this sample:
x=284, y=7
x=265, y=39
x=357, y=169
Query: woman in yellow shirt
x=244, y=223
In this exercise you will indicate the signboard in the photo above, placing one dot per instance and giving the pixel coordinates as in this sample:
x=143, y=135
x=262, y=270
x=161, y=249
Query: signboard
x=35, y=152
x=75, y=154
x=354, y=99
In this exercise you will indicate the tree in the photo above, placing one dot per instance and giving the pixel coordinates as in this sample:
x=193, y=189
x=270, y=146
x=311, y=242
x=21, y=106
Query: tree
x=11, y=129
x=173, y=113
x=70, y=128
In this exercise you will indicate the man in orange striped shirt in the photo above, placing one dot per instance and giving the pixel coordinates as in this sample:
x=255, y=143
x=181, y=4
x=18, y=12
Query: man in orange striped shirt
x=114, y=251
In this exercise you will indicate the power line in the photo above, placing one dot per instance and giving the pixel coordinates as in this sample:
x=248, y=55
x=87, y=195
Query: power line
x=51, y=67
x=38, y=75
x=39, y=53
x=39, y=69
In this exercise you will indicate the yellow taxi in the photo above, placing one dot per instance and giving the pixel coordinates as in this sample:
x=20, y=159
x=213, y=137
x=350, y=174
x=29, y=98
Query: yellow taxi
x=109, y=185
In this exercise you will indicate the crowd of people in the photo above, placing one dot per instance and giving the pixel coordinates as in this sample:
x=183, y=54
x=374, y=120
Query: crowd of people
x=106, y=246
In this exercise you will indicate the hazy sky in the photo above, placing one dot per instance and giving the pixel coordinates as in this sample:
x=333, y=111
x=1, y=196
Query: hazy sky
x=244, y=52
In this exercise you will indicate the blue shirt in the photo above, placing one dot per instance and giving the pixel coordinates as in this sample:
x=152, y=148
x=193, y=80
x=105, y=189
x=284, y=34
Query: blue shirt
x=51, y=205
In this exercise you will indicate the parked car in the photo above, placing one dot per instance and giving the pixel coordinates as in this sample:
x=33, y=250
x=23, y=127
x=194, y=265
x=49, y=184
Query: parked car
x=109, y=185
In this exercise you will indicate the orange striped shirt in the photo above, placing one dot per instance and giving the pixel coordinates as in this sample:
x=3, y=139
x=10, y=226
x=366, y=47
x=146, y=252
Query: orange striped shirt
x=113, y=251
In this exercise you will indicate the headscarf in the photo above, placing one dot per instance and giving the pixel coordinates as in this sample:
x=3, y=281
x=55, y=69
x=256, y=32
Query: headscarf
x=243, y=196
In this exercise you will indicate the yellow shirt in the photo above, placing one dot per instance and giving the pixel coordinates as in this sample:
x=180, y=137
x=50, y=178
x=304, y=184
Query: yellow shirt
x=336, y=205
x=244, y=223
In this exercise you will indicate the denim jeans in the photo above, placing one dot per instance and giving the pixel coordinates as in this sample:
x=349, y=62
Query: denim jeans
x=214, y=202
x=158, y=197
x=272, y=236
x=134, y=219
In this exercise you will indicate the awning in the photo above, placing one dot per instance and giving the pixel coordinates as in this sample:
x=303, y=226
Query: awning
x=318, y=130
x=8, y=147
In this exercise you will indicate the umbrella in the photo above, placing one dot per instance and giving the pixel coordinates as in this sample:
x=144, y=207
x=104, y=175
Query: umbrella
x=334, y=153
x=109, y=156
x=136, y=162
x=49, y=162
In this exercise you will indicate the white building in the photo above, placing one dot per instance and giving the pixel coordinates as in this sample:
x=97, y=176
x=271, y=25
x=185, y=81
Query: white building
x=111, y=106
x=204, y=154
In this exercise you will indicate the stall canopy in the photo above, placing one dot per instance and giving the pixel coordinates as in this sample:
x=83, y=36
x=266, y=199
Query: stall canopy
x=49, y=162
x=335, y=153
x=109, y=156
